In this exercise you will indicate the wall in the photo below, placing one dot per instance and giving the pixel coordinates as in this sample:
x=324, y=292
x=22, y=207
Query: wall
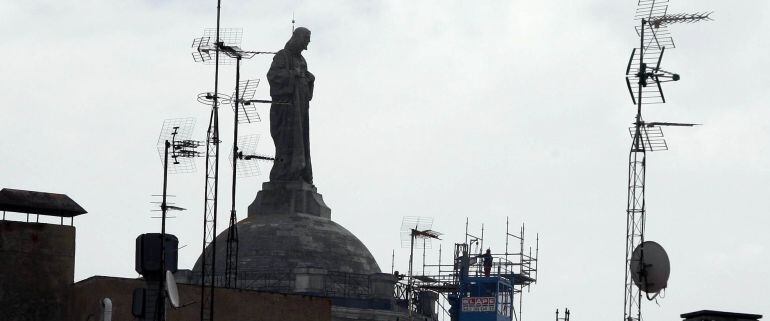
x=37, y=265
x=230, y=304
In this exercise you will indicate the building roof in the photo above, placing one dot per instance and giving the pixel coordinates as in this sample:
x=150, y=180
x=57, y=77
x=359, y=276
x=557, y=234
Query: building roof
x=31, y=202
x=732, y=315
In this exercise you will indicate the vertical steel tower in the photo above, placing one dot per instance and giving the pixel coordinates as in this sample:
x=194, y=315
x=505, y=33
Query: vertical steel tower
x=643, y=78
x=211, y=191
x=215, y=55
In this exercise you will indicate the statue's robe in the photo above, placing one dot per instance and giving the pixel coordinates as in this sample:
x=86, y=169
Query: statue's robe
x=290, y=82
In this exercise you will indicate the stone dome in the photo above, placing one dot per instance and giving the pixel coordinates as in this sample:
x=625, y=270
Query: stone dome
x=278, y=243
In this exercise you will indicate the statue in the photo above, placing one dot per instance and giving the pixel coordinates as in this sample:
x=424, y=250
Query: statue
x=290, y=189
x=291, y=88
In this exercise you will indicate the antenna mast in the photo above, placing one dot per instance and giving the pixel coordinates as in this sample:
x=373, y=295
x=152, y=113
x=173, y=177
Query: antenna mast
x=211, y=187
x=174, y=136
x=644, y=69
x=244, y=112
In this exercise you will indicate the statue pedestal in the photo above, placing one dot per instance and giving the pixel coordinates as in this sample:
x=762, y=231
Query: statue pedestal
x=289, y=198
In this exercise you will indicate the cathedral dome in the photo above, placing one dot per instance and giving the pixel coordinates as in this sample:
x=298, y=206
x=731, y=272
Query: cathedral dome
x=278, y=243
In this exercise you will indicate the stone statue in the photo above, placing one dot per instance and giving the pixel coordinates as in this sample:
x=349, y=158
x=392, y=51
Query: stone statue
x=291, y=84
x=290, y=189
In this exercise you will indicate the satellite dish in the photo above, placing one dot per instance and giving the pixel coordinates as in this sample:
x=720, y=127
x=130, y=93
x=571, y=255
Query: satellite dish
x=654, y=276
x=173, y=292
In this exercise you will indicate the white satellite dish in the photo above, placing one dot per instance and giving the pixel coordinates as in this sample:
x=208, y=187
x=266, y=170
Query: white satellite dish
x=657, y=267
x=173, y=292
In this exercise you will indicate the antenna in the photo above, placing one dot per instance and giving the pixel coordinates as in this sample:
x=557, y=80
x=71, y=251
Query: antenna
x=227, y=42
x=208, y=98
x=206, y=50
x=175, y=137
x=178, y=132
x=247, y=114
x=415, y=227
x=202, y=54
x=644, y=80
x=243, y=90
x=414, y=222
x=292, y=22
x=249, y=157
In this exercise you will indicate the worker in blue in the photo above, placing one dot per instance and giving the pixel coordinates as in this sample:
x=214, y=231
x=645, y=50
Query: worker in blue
x=487, y=256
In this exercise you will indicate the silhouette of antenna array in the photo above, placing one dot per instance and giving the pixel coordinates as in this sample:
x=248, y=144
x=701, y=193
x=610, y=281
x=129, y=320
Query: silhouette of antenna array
x=205, y=47
x=408, y=223
x=207, y=98
x=652, y=138
x=247, y=112
x=657, y=39
x=248, y=157
x=178, y=131
x=652, y=73
x=647, y=9
x=644, y=77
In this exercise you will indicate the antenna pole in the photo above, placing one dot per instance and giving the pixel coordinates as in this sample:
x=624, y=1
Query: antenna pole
x=409, y=284
x=231, y=267
x=537, y=253
x=163, y=204
x=160, y=311
x=635, y=210
x=423, y=256
x=208, y=266
x=521, y=272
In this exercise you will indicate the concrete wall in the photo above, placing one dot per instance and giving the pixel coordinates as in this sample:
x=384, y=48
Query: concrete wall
x=37, y=265
x=230, y=304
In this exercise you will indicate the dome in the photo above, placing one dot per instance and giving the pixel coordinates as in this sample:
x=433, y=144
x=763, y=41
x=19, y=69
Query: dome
x=278, y=243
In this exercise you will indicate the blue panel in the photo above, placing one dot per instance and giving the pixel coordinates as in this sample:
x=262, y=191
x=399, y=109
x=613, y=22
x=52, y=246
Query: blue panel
x=486, y=299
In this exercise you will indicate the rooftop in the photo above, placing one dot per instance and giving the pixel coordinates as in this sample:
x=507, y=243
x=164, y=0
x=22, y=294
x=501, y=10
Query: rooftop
x=31, y=202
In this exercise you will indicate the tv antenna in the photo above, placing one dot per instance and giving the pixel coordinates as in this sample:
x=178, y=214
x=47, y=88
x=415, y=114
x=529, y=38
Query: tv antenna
x=183, y=150
x=174, y=137
x=248, y=157
x=644, y=79
x=415, y=227
x=207, y=52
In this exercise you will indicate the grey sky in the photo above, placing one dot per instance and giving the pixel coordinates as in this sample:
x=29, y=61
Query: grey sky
x=449, y=109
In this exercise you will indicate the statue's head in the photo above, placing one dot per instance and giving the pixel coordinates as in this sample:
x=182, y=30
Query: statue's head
x=299, y=40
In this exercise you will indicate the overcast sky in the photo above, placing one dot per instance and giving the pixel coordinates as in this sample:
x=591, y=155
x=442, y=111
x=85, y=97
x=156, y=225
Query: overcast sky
x=446, y=109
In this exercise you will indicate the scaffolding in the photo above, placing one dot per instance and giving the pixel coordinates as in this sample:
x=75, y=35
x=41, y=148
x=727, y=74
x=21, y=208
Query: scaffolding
x=518, y=264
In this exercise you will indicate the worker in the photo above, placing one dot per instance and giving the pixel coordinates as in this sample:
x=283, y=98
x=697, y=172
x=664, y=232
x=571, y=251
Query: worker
x=487, y=256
